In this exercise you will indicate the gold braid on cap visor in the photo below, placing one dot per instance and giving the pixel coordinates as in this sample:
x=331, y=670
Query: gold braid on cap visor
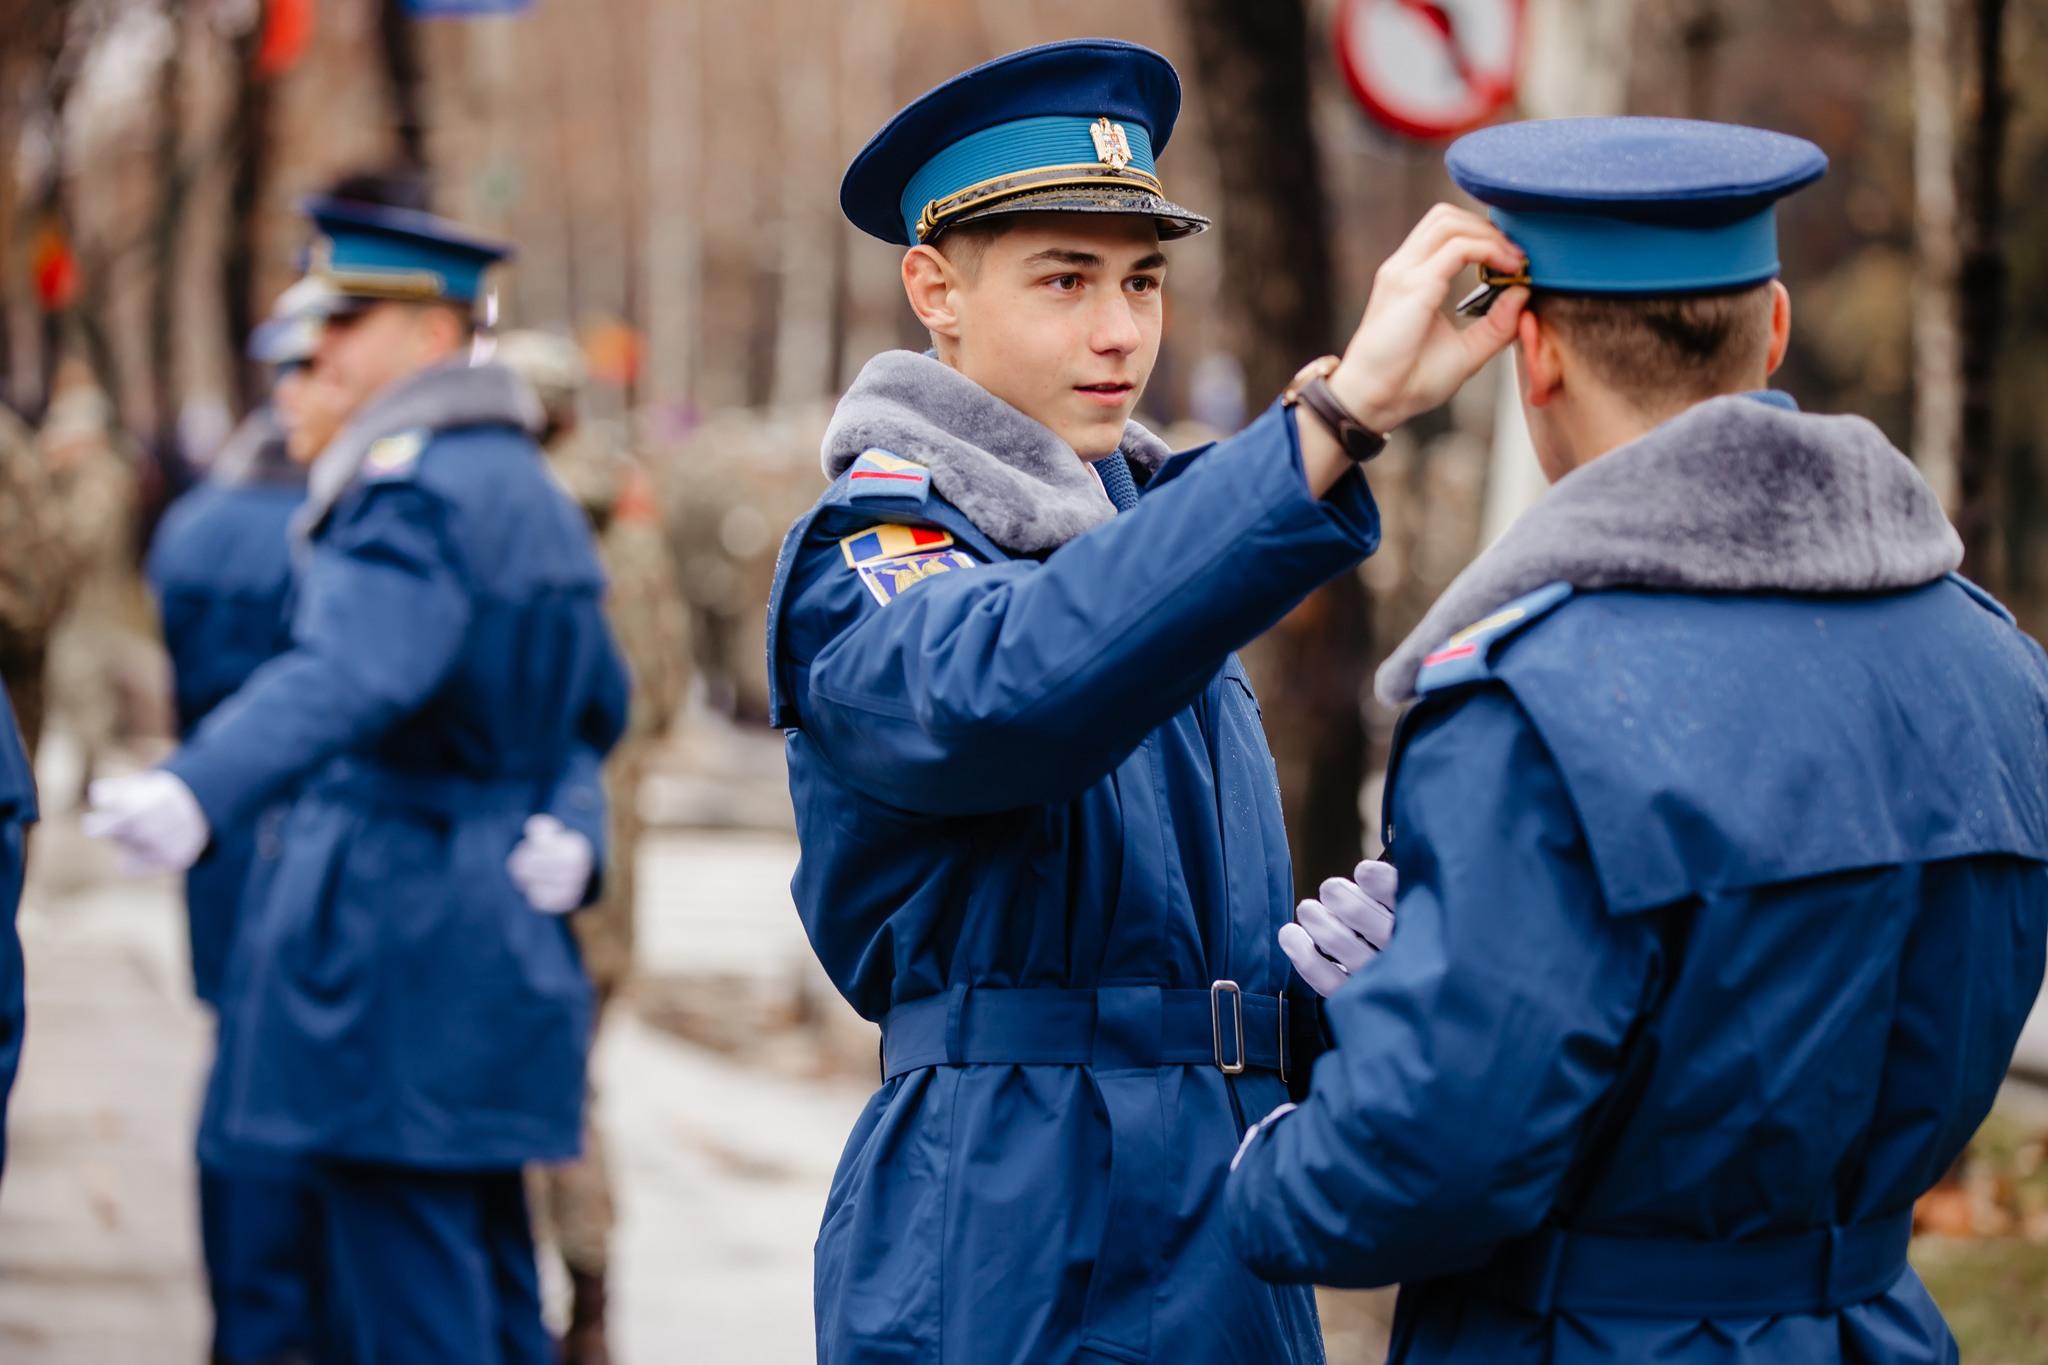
x=937, y=211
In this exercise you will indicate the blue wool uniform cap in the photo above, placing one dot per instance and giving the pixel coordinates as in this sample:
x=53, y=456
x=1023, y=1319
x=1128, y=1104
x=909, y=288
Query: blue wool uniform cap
x=1070, y=127
x=1636, y=206
x=373, y=252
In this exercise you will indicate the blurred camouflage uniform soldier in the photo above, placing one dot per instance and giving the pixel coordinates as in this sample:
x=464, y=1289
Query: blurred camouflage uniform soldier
x=724, y=533
x=645, y=609
x=34, y=584
x=97, y=492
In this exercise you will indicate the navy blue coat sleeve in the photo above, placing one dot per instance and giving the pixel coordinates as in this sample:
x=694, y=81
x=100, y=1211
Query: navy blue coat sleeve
x=1469, y=1055
x=1004, y=685
x=380, y=619
x=578, y=796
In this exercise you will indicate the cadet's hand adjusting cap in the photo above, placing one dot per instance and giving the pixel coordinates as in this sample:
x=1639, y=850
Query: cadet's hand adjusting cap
x=1064, y=127
x=1641, y=206
x=372, y=252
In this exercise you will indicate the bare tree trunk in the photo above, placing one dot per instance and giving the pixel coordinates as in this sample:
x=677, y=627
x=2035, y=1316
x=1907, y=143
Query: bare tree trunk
x=675, y=248
x=629, y=80
x=809, y=212
x=173, y=197
x=406, y=73
x=1983, y=278
x=866, y=301
x=1937, y=375
x=246, y=141
x=1701, y=29
x=1311, y=668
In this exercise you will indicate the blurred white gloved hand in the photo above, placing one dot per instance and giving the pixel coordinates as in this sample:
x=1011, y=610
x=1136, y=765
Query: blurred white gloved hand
x=153, y=819
x=552, y=865
x=1348, y=924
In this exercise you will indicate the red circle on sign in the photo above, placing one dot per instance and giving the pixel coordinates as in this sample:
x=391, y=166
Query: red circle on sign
x=1430, y=68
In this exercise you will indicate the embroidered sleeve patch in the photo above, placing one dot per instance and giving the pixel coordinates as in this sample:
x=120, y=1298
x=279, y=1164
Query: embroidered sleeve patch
x=887, y=578
x=891, y=541
x=878, y=474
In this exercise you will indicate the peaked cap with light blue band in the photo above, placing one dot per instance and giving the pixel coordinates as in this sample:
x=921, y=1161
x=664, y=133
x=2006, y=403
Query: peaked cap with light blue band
x=1071, y=126
x=375, y=252
x=1636, y=206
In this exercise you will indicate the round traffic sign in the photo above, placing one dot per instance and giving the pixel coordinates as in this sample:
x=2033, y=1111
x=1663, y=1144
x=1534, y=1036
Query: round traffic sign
x=1430, y=68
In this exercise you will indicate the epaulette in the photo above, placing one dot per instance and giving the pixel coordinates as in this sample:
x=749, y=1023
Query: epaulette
x=1983, y=599
x=394, y=457
x=1467, y=656
x=878, y=474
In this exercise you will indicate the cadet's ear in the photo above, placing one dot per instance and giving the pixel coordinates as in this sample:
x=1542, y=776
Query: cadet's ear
x=1781, y=326
x=1542, y=368
x=928, y=282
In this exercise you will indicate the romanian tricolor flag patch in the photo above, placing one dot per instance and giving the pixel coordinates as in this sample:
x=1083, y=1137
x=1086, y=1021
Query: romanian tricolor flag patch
x=890, y=541
x=878, y=474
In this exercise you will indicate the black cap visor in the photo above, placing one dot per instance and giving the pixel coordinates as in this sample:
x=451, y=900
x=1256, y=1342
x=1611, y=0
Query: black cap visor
x=1174, y=220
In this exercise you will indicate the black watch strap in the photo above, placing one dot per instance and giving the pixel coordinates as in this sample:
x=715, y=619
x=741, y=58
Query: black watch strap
x=1359, y=442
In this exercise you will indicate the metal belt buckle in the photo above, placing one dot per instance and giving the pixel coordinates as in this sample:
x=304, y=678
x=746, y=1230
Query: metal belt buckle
x=1217, y=989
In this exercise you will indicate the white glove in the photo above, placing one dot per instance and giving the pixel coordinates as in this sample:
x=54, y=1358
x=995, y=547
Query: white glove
x=552, y=865
x=1334, y=936
x=153, y=819
x=1261, y=1126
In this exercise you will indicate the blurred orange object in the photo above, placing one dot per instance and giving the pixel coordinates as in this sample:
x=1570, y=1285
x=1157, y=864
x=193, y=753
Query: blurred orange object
x=287, y=30
x=611, y=350
x=1945, y=1211
x=56, y=270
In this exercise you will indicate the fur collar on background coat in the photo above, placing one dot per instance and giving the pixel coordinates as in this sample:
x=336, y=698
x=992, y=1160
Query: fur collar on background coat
x=1012, y=477
x=1733, y=495
x=438, y=399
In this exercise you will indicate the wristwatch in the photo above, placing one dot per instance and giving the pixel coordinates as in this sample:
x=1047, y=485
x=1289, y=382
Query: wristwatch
x=1311, y=389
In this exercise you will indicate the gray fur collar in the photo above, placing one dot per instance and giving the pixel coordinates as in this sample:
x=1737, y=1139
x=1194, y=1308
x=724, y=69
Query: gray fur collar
x=438, y=399
x=1732, y=495
x=1022, y=485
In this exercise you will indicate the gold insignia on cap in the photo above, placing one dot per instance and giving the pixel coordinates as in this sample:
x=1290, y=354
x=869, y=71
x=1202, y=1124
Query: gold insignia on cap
x=1112, y=145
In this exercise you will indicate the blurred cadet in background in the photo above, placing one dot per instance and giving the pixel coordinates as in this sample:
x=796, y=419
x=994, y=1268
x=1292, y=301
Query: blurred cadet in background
x=406, y=1007
x=102, y=636
x=220, y=566
x=1041, y=834
x=1720, y=823
x=645, y=610
x=35, y=583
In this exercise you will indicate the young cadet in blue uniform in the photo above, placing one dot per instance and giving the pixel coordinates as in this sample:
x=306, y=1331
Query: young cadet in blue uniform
x=220, y=566
x=1720, y=829
x=1041, y=833
x=406, y=1005
x=17, y=813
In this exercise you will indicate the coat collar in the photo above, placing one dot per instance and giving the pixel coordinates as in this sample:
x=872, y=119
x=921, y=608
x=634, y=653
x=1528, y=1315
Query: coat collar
x=1010, y=475
x=440, y=398
x=1731, y=496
